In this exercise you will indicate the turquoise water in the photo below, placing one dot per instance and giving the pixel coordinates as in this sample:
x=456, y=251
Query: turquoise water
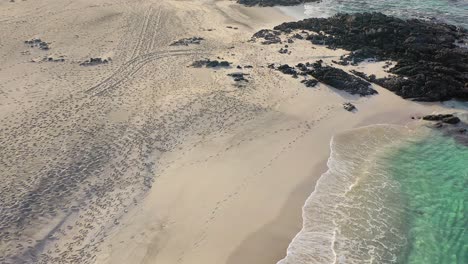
x=433, y=174
x=391, y=195
x=448, y=11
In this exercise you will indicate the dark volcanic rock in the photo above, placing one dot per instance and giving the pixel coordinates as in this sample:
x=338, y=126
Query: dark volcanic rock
x=210, y=63
x=286, y=69
x=349, y=107
x=274, y=2
x=310, y=83
x=95, y=61
x=430, y=66
x=239, y=76
x=283, y=51
x=448, y=118
x=36, y=42
x=335, y=77
x=341, y=80
x=269, y=36
x=450, y=125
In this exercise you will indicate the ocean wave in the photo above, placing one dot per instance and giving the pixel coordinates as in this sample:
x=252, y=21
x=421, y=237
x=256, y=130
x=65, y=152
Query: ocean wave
x=353, y=214
x=447, y=11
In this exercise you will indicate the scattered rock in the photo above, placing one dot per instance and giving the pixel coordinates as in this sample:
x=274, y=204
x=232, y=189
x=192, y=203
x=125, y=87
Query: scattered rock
x=210, y=63
x=239, y=76
x=37, y=42
x=49, y=59
x=349, y=107
x=283, y=51
x=187, y=41
x=95, y=61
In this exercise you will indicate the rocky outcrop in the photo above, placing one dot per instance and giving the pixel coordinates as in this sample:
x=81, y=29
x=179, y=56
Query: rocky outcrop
x=332, y=76
x=342, y=80
x=269, y=36
x=431, y=65
x=274, y=2
x=447, y=118
x=450, y=125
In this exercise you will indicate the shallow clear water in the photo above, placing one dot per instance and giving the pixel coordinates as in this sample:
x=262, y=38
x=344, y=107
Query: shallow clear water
x=433, y=175
x=390, y=195
x=449, y=11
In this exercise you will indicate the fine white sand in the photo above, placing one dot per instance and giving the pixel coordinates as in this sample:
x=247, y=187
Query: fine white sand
x=146, y=160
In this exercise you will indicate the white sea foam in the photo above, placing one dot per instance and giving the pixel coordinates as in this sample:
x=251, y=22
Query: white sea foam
x=353, y=214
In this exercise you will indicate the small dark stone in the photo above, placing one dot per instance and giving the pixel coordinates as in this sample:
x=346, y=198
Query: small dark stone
x=349, y=107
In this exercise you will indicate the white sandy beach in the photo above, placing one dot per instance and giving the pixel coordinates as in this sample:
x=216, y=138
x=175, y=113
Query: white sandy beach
x=174, y=164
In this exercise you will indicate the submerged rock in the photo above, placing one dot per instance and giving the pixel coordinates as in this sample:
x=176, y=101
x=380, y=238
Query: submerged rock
x=450, y=125
x=447, y=118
